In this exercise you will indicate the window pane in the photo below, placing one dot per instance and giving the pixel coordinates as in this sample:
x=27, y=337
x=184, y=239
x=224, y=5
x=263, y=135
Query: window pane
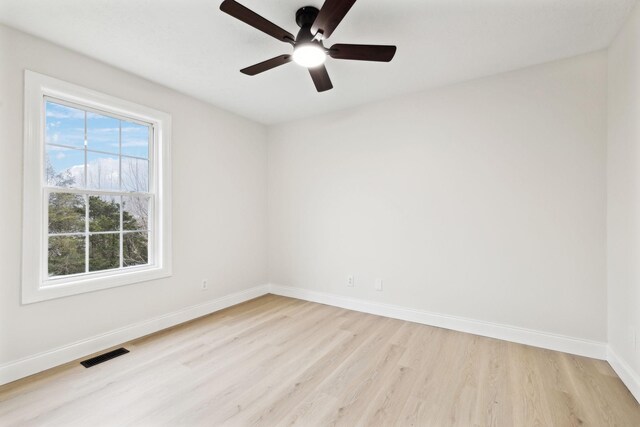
x=135, y=140
x=66, y=255
x=66, y=213
x=104, y=251
x=103, y=171
x=135, y=213
x=104, y=213
x=135, y=175
x=135, y=249
x=64, y=167
x=103, y=133
x=64, y=125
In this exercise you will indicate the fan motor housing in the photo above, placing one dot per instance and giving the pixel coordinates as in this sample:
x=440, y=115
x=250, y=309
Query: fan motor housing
x=306, y=15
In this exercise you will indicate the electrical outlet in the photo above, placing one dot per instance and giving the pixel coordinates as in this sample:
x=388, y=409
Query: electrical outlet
x=350, y=281
x=205, y=285
x=378, y=285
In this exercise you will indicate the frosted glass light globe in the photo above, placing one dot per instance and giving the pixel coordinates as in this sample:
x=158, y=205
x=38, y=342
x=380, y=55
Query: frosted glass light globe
x=309, y=55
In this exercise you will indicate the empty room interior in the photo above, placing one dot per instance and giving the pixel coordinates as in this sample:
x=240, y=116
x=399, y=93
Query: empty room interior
x=315, y=213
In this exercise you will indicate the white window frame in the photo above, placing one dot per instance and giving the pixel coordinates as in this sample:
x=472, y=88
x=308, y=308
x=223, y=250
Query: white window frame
x=36, y=286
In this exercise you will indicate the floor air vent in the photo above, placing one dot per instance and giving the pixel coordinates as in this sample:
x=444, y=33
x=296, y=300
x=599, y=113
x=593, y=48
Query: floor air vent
x=104, y=357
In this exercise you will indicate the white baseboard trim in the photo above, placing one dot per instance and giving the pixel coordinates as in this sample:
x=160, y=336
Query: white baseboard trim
x=628, y=376
x=33, y=364
x=578, y=346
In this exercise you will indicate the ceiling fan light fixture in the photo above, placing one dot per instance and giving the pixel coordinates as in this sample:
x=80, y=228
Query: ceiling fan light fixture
x=309, y=55
x=308, y=50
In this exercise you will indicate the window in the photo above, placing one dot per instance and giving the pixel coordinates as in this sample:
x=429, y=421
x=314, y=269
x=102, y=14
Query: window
x=96, y=191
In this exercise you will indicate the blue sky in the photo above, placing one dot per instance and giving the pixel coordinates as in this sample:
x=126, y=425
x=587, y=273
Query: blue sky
x=66, y=126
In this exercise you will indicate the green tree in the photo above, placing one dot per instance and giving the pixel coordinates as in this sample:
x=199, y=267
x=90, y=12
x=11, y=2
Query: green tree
x=104, y=249
x=66, y=254
x=67, y=214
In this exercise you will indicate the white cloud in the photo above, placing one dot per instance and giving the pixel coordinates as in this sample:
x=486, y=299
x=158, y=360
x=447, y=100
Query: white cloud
x=103, y=130
x=52, y=138
x=136, y=143
x=66, y=114
x=103, y=173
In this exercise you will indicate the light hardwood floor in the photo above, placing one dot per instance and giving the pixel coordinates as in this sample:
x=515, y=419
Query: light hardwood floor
x=281, y=361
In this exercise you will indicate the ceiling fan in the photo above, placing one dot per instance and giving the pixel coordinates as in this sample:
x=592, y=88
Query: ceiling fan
x=308, y=50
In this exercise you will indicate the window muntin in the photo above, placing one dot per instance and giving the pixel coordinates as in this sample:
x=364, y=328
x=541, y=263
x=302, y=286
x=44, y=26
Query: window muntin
x=99, y=198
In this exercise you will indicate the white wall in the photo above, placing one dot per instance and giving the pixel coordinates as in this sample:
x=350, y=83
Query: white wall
x=623, y=191
x=219, y=205
x=484, y=200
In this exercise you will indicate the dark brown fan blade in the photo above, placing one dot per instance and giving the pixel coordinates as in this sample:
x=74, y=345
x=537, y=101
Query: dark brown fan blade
x=362, y=52
x=330, y=16
x=320, y=78
x=266, y=65
x=248, y=16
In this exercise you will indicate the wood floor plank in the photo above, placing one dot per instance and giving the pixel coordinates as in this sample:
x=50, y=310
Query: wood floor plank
x=277, y=361
x=529, y=403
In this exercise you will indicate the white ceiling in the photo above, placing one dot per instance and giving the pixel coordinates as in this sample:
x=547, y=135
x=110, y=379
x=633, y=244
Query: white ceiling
x=191, y=46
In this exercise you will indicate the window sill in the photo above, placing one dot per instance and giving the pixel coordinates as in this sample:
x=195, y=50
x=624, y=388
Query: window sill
x=63, y=287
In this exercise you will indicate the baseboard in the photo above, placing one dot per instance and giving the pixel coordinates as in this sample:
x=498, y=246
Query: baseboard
x=581, y=347
x=628, y=376
x=49, y=359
